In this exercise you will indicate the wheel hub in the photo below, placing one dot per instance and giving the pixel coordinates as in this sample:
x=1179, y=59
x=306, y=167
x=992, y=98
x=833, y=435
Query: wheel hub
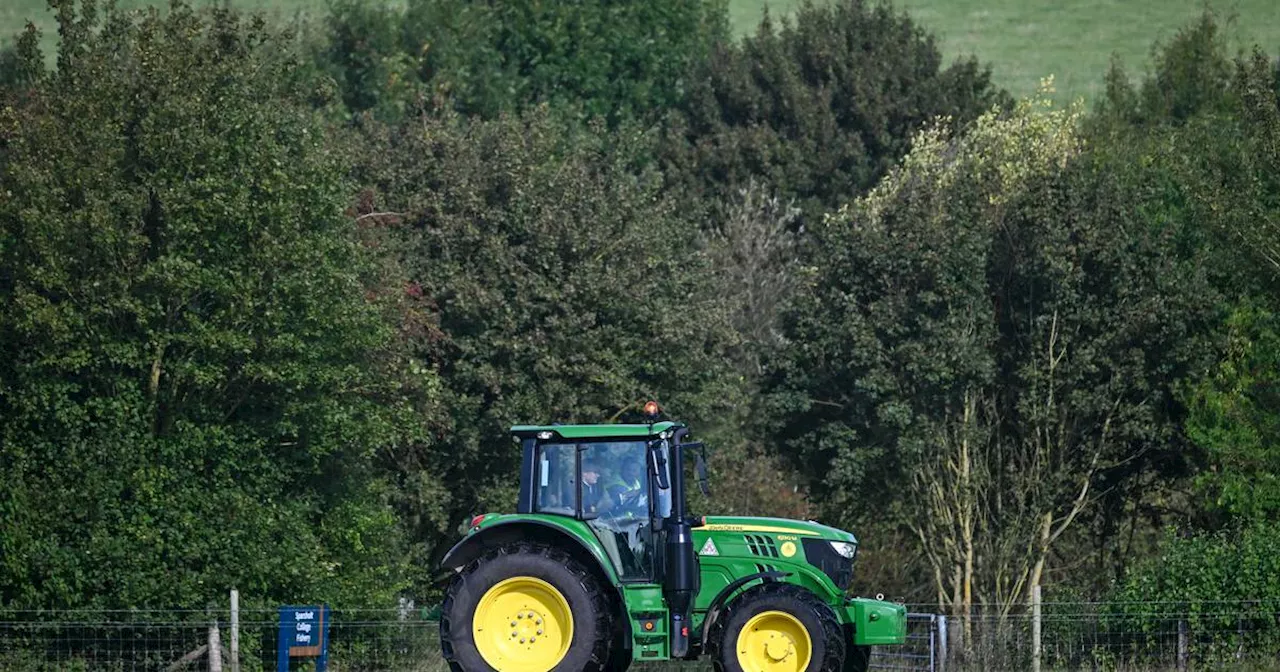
x=526, y=626
x=778, y=647
x=774, y=641
x=522, y=624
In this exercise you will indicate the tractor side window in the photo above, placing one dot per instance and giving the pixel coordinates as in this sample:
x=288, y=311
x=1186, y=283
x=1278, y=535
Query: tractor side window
x=557, y=487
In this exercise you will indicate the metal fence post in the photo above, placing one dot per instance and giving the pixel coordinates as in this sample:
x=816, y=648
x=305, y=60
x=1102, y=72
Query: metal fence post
x=1182, y=644
x=933, y=639
x=235, y=630
x=942, y=643
x=215, y=649
x=1035, y=628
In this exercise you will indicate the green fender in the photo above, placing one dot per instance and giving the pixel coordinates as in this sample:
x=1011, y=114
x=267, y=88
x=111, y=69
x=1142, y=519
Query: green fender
x=502, y=529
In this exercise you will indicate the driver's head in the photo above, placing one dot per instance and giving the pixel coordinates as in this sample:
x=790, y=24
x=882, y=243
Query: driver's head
x=633, y=470
x=590, y=472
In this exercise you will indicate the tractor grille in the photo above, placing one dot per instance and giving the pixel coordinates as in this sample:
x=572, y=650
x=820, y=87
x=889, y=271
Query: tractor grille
x=820, y=554
x=761, y=545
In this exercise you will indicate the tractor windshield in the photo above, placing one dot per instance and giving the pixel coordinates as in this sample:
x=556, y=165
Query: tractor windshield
x=613, y=478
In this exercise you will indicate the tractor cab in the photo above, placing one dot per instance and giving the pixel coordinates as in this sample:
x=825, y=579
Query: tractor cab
x=615, y=478
x=601, y=564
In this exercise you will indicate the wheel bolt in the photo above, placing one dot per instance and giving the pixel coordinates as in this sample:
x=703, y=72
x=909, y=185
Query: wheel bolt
x=539, y=631
x=522, y=640
x=538, y=622
x=533, y=639
x=520, y=615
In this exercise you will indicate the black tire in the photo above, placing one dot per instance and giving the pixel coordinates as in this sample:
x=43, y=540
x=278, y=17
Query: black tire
x=592, y=618
x=816, y=617
x=619, y=655
x=858, y=658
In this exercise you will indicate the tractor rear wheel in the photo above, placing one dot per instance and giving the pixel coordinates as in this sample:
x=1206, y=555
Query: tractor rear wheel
x=525, y=608
x=778, y=627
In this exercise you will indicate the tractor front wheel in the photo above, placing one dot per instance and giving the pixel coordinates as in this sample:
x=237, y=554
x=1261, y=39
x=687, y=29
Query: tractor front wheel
x=778, y=627
x=525, y=608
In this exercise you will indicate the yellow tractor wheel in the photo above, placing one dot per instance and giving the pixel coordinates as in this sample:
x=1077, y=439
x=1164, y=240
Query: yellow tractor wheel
x=527, y=608
x=523, y=624
x=778, y=627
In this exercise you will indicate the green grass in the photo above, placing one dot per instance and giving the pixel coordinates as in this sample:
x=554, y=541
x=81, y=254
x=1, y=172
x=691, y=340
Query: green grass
x=1025, y=40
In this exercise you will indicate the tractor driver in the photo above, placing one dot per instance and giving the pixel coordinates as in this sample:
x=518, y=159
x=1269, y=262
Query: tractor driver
x=593, y=494
x=628, y=488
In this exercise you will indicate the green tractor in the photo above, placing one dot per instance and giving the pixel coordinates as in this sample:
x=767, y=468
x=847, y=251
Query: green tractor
x=601, y=566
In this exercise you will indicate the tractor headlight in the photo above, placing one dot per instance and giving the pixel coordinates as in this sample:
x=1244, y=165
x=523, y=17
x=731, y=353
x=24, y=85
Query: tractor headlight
x=844, y=548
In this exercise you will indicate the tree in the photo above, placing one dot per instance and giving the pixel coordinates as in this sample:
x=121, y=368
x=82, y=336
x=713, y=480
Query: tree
x=566, y=286
x=1233, y=416
x=819, y=108
x=197, y=374
x=617, y=60
x=756, y=253
x=993, y=332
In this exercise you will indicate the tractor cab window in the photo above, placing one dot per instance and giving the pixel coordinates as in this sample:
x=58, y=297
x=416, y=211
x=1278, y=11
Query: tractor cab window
x=620, y=504
x=557, y=489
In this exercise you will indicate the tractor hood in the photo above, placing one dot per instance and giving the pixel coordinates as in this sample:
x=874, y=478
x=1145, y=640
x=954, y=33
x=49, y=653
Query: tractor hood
x=800, y=528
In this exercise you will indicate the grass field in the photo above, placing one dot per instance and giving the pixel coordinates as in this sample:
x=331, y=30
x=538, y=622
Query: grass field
x=1024, y=40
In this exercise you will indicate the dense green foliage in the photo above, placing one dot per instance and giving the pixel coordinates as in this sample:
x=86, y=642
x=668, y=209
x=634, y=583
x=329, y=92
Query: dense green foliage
x=1207, y=570
x=1234, y=416
x=565, y=287
x=192, y=388
x=612, y=59
x=819, y=107
x=994, y=329
x=269, y=300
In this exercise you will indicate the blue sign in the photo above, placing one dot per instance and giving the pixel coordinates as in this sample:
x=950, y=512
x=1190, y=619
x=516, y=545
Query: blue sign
x=304, y=633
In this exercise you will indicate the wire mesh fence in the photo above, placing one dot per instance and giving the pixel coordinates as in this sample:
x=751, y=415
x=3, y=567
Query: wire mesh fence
x=1074, y=636
x=129, y=641
x=1095, y=636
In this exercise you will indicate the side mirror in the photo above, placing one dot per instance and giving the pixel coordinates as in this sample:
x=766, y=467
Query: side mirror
x=700, y=466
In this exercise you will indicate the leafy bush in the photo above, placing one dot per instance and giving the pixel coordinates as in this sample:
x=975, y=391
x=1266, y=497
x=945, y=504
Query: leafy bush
x=1202, y=571
x=1222, y=588
x=1234, y=413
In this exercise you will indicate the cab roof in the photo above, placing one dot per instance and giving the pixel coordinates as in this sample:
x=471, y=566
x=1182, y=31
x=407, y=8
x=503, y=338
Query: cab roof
x=594, y=431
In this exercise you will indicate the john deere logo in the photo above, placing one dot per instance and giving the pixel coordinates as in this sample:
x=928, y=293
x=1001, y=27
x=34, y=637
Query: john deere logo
x=788, y=549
